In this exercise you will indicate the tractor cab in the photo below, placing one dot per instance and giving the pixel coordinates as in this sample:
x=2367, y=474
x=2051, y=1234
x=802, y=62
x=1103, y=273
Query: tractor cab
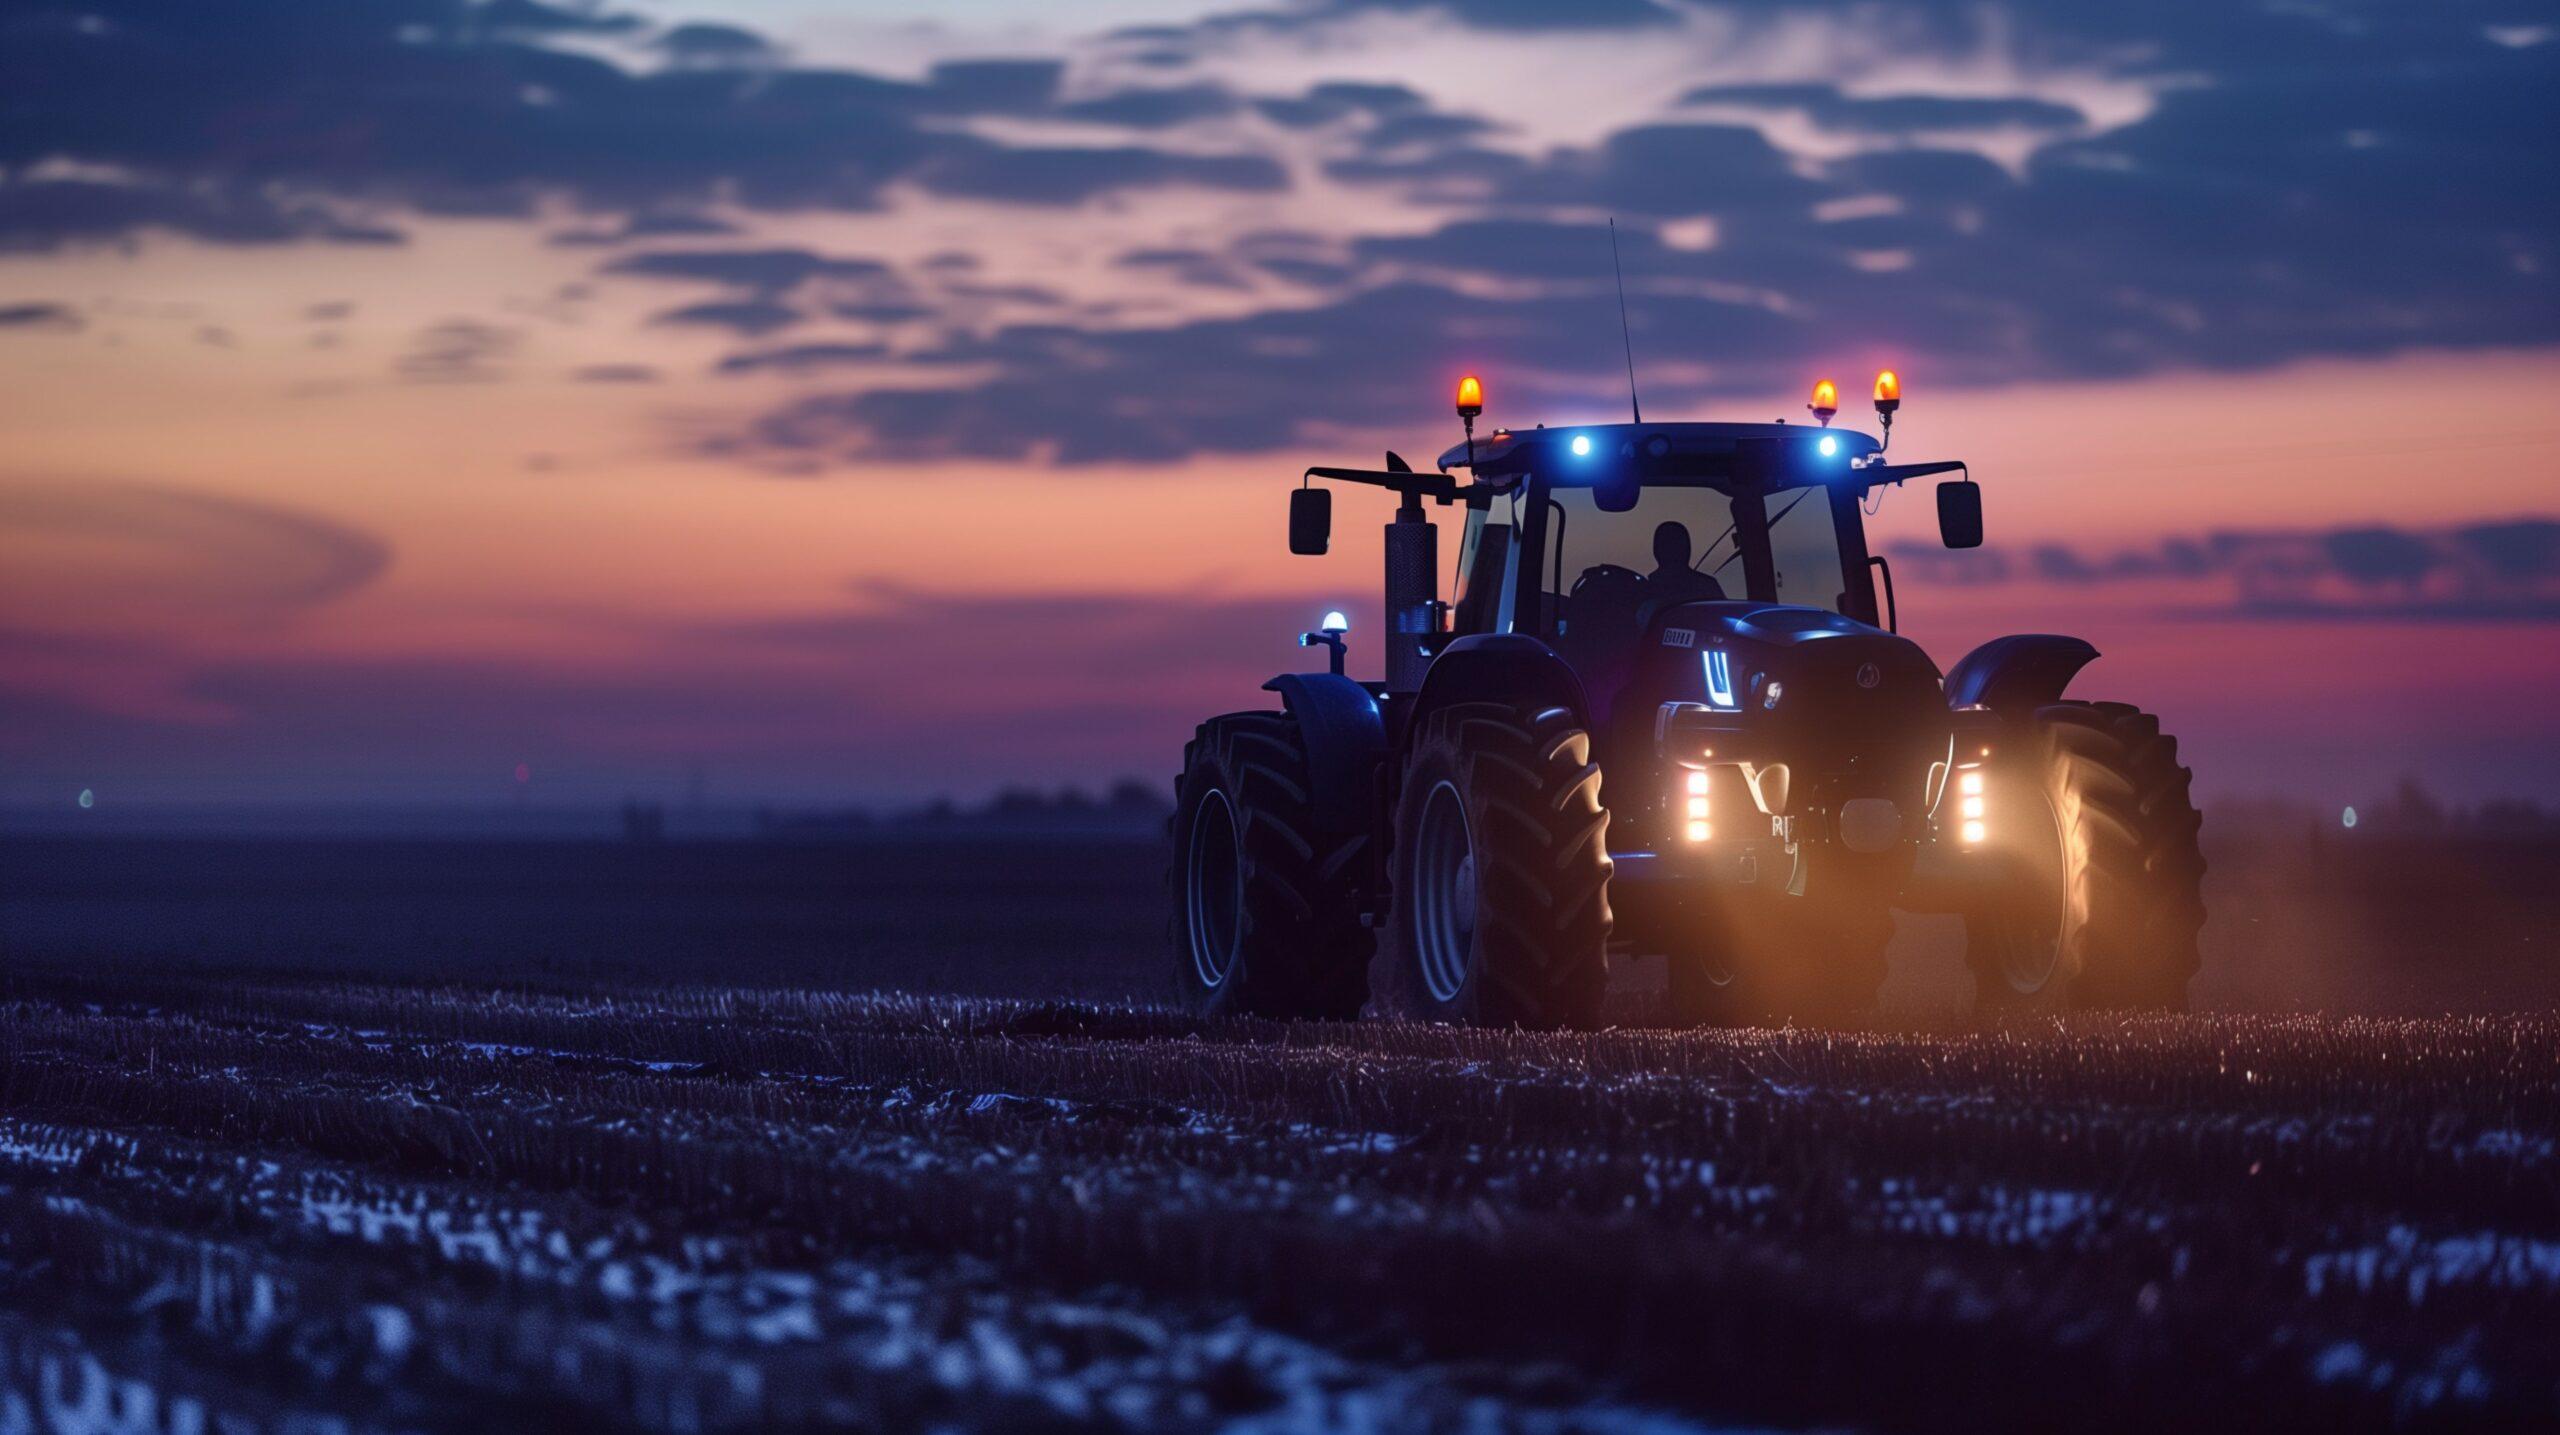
x=1563, y=525
x=1645, y=554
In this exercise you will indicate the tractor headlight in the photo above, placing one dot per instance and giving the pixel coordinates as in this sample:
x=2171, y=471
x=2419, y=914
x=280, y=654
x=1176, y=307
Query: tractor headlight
x=1695, y=786
x=1971, y=806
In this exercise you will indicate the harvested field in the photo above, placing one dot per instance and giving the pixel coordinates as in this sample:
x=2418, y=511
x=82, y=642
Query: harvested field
x=287, y=1198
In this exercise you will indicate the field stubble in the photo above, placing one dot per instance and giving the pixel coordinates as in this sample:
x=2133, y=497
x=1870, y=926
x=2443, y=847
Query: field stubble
x=417, y=1206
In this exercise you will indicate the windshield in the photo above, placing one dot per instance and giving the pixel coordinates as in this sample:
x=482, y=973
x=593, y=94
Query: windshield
x=1805, y=548
x=1667, y=547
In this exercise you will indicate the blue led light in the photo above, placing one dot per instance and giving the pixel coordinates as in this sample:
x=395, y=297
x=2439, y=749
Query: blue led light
x=1334, y=622
x=1582, y=445
x=1720, y=681
x=1828, y=446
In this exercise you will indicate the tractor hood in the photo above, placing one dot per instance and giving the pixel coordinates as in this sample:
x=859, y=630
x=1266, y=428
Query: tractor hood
x=1849, y=709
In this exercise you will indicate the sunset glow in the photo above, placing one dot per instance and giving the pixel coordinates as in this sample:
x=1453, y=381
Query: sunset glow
x=950, y=448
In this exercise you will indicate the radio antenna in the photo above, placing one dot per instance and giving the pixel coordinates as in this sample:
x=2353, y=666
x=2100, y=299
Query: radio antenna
x=1624, y=333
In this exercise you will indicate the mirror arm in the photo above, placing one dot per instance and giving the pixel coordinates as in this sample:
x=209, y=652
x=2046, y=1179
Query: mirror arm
x=1876, y=473
x=1439, y=486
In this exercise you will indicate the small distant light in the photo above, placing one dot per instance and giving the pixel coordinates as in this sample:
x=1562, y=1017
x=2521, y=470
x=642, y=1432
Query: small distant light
x=1582, y=445
x=1698, y=783
x=1973, y=832
x=1698, y=831
x=2348, y=817
x=1828, y=446
x=89, y=799
x=1334, y=622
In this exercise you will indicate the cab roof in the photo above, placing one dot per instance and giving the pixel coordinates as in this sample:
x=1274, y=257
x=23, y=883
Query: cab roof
x=1709, y=454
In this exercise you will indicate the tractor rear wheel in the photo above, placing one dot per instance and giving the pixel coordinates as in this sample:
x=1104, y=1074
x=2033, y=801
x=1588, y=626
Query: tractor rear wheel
x=1264, y=917
x=2102, y=897
x=1500, y=902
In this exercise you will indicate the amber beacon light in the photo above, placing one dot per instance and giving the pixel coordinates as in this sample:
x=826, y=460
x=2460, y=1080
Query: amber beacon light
x=1888, y=392
x=1826, y=401
x=1470, y=397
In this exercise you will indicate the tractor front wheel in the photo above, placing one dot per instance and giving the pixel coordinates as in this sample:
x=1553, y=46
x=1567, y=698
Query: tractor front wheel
x=1264, y=921
x=1500, y=889
x=2098, y=899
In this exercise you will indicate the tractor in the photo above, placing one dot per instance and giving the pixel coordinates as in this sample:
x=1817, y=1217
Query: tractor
x=1666, y=711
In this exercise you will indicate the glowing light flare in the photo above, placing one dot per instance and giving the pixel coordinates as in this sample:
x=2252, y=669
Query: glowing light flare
x=1828, y=447
x=1470, y=397
x=1581, y=445
x=1698, y=784
x=1974, y=832
x=1969, y=784
x=1335, y=622
x=1699, y=832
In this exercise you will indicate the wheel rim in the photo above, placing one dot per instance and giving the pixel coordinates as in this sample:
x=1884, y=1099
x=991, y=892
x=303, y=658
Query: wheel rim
x=1444, y=893
x=1213, y=889
x=2031, y=921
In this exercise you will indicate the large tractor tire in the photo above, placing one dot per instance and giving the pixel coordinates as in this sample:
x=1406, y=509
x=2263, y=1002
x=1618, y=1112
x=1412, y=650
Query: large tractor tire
x=1264, y=920
x=2101, y=896
x=1500, y=887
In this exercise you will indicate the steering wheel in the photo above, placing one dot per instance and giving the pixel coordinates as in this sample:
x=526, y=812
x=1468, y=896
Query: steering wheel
x=1600, y=577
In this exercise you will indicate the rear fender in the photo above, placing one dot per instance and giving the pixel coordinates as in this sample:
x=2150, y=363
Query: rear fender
x=1346, y=740
x=2015, y=675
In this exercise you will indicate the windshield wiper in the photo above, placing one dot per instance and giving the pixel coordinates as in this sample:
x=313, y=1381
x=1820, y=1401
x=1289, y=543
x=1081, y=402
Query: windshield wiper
x=1774, y=522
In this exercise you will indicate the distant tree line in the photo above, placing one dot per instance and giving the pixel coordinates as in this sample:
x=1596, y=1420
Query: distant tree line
x=1129, y=805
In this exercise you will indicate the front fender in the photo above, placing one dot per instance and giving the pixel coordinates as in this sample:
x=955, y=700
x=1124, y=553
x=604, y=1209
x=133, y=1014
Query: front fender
x=2015, y=675
x=1499, y=667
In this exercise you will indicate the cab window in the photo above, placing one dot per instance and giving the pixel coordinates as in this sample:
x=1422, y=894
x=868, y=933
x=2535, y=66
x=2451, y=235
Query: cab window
x=1804, y=546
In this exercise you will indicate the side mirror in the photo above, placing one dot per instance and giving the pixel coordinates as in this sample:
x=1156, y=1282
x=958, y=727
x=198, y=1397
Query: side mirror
x=1960, y=513
x=1310, y=521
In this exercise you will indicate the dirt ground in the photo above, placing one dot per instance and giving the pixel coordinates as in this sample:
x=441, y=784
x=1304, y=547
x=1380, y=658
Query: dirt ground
x=395, y=1136
x=285, y=1201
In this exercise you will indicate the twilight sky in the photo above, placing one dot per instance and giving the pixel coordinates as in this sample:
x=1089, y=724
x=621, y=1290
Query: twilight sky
x=815, y=402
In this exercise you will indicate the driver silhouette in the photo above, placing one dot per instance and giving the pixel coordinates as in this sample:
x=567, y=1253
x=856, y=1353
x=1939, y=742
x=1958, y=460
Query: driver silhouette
x=1674, y=579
